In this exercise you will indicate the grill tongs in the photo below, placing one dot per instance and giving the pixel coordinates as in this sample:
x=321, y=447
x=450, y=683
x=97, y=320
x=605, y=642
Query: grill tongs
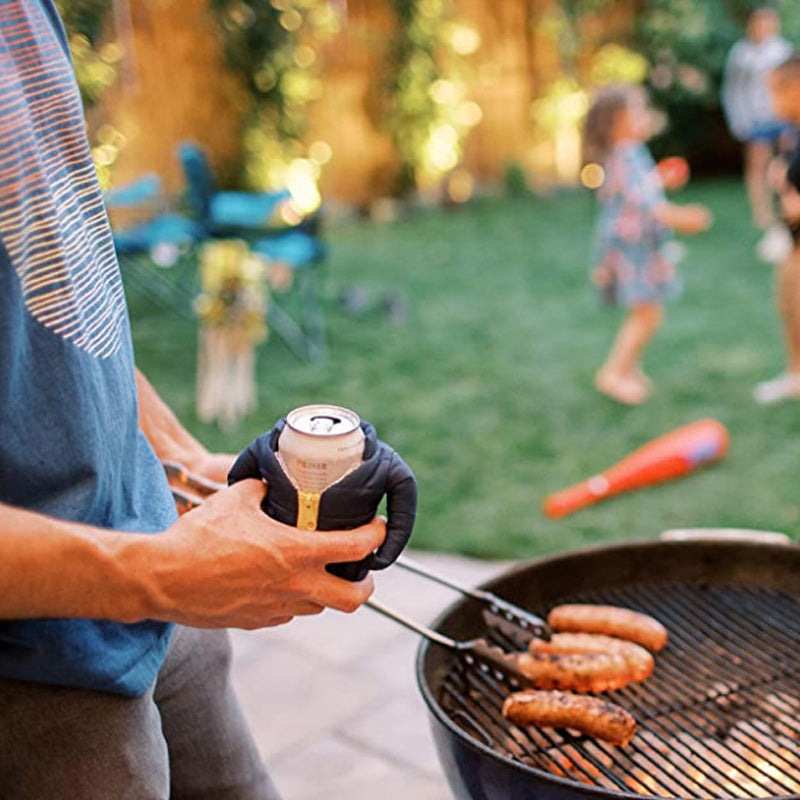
x=513, y=622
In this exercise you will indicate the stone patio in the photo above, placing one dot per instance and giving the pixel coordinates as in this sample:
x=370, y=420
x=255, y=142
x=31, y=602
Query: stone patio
x=332, y=700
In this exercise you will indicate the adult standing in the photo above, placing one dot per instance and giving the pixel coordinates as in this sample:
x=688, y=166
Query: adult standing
x=753, y=121
x=785, y=90
x=102, y=694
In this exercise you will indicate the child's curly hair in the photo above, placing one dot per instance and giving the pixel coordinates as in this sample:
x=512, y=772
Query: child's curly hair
x=604, y=109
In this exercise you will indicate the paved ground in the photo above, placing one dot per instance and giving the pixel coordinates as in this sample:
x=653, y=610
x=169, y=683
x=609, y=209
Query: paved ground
x=333, y=702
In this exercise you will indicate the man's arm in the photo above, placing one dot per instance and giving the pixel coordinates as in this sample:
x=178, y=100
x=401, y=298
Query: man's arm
x=224, y=564
x=688, y=219
x=734, y=93
x=171, y=441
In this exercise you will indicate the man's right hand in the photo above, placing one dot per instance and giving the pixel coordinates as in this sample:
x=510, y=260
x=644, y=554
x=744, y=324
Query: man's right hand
x=227, y=564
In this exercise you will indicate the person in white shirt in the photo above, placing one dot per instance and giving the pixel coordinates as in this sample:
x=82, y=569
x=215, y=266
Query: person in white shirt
x=753, y=121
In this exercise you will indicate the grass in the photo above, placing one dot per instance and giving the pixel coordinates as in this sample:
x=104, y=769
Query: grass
x=486, y=390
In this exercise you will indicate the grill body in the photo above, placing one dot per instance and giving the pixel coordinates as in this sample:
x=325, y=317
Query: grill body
x=720, y=718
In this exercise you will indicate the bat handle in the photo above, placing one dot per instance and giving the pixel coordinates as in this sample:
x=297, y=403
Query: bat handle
x=583, y=494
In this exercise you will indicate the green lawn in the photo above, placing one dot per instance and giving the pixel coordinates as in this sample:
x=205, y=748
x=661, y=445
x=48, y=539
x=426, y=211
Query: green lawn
x=486, y=390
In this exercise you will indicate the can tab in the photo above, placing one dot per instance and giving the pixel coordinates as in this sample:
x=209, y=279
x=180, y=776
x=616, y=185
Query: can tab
x=308, y=510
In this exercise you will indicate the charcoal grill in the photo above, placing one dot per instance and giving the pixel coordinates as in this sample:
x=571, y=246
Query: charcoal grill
x=720, y=718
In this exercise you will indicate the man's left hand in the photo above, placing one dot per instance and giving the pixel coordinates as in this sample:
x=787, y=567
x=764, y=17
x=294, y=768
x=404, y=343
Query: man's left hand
x=212, y=466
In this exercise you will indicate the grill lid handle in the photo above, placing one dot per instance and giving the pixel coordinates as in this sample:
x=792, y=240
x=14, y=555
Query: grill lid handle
x=724, y=535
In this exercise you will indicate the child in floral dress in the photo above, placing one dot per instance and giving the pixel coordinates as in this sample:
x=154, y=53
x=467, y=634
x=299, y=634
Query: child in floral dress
x=634, y=262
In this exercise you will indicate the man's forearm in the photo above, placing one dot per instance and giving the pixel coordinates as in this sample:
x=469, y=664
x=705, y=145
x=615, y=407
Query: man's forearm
x=54, y=568
x=170, y=440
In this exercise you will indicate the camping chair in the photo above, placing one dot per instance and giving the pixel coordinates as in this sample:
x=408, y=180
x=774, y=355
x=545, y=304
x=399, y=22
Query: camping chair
x=251, y=216
x=152, y=235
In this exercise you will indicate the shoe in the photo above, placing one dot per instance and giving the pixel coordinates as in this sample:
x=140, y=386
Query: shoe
x=775, y=245
x=784, y=387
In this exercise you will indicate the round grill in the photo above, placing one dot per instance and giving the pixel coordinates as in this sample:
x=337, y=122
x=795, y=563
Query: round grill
x=720, y=717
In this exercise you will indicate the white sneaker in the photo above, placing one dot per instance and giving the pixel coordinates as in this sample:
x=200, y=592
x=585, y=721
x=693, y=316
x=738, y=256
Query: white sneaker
x=775, y=245
x=784, y=387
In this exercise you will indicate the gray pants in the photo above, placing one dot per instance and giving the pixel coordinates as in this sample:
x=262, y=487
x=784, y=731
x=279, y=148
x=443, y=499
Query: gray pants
x=184, y=739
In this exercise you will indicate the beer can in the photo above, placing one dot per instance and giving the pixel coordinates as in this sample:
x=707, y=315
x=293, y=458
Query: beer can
x=317, y=447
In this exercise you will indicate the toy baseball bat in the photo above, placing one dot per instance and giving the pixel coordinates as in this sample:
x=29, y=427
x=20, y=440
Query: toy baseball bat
x=663, y=459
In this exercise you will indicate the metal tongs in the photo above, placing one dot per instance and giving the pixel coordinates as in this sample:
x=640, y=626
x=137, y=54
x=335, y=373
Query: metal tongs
x=515, y=623
x=188, y=490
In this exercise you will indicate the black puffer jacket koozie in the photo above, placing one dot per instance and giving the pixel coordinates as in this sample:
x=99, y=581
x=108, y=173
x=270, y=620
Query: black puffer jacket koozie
x=351, y=502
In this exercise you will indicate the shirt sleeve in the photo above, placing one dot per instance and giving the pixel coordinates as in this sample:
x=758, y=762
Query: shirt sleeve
x=734, y=93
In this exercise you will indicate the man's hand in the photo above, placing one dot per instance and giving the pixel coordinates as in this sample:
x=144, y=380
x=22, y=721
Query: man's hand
x=227, y=564
x=212, y=466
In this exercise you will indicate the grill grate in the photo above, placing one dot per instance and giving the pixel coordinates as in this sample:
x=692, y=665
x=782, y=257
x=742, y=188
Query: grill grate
x=720, y=717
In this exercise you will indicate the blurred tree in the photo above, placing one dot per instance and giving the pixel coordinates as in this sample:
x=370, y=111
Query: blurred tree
x=426, y=107
x=96, y=60
x=686, y=44
x=273, y=46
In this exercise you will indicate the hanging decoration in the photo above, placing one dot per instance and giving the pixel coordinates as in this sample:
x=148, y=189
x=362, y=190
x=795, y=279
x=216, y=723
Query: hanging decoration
x=232, y=312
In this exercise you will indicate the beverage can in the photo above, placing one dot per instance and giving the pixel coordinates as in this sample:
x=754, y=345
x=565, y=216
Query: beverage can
x=317, y=447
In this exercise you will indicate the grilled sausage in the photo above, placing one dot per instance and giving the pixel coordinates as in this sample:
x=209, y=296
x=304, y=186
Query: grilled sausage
x=589, y=715
x=640, y=662
x=577, y=672
x=623, y=623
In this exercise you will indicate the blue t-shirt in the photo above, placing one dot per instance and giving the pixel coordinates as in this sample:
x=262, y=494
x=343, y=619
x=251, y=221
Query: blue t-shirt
x=70, y=445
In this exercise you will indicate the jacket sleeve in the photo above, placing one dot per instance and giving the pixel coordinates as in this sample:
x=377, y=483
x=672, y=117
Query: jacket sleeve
x=257, y=459
x=245, y=466
x=401, y=510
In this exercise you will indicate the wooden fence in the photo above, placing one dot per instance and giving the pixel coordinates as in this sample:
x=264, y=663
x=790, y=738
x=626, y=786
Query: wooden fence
x=175, y=86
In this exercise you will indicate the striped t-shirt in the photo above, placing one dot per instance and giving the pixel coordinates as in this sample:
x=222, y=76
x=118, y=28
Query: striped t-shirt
x=70, y=445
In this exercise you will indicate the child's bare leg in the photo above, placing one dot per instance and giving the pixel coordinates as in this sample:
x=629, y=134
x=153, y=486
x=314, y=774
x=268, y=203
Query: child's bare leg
x=791, y=327
x=621, y=376
x=757, y=157
x=787, y=385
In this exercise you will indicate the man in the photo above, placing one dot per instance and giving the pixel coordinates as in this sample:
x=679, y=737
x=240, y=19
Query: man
x=101, y=694
x=784, y=86
x=753, y=121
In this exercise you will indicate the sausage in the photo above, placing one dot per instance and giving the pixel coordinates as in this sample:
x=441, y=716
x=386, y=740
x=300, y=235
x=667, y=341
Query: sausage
x=623, y=623
x=592, y=716
x=577, y=672
x=639, y=661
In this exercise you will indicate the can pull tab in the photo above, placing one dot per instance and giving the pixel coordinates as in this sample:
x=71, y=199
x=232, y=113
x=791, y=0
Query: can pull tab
x=308, y=510
x=323, y=423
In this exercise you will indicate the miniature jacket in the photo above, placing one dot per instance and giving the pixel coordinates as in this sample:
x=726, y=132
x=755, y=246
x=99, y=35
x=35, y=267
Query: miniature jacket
x=351, y=502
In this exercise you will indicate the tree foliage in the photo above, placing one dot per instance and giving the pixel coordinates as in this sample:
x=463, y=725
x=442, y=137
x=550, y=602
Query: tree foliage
x=426, y=105
x=686, y=44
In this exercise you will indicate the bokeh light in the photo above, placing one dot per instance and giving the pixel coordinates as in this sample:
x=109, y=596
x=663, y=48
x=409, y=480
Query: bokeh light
x=301, y=181
x=593, y=175
x=464, y=40
x=320, y=152
x=460, y=186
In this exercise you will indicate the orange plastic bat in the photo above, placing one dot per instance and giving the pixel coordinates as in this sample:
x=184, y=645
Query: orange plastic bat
x=663, y=459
